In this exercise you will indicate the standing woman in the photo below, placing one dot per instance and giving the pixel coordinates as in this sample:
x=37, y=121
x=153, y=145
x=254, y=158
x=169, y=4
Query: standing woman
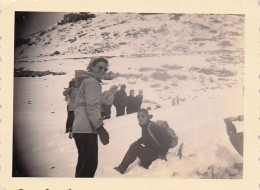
x=88, y=123
x=70, y=94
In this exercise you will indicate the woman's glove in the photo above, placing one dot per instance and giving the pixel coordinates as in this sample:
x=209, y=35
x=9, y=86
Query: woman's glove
x=103, y=135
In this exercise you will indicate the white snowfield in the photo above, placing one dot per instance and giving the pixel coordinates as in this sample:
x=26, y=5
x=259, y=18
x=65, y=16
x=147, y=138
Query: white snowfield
x=198, y=58
x=199, y=124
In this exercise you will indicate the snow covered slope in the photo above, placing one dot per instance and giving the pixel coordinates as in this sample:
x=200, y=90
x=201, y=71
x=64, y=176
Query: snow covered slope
x=48, y=151
x=139, y=35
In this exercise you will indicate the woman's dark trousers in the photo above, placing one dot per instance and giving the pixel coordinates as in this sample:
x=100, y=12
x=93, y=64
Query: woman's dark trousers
x=87, y=145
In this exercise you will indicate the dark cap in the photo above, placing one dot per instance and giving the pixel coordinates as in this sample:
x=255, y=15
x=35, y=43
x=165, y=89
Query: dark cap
x=145, y=111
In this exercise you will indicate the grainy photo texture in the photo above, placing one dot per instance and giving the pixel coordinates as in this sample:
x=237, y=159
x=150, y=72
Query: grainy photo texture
x=128, y=95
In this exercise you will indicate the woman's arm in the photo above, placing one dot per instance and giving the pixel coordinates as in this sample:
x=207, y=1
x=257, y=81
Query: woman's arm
x=236, y=139
x=92, y=91
x=230, y=127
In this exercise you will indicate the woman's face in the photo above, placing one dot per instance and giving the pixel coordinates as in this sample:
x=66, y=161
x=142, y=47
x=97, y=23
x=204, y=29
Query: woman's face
x=142, y=118
x=100, y=69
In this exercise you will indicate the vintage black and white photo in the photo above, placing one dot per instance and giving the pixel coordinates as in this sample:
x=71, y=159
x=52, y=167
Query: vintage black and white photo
x=116, y=79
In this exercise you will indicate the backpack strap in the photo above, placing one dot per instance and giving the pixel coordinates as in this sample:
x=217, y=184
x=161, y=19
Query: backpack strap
x=151, y=134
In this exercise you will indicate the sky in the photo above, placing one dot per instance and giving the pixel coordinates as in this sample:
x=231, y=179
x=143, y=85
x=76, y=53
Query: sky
x=27, y=23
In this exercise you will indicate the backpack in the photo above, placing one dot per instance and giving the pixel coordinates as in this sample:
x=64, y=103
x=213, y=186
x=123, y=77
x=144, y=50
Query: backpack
x=165, y=126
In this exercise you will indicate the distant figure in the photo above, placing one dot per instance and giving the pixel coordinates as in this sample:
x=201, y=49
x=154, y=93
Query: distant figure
x=138, y=100
x=173, y=102
x=107, y=99
x=130, y=107
x=177, y=99
x=120, y=101
x=146, y=148
x=235, y=138
x=88, y=123
x=70, y=94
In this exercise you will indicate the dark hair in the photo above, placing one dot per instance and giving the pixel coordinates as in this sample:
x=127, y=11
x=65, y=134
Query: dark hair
x=96, y=60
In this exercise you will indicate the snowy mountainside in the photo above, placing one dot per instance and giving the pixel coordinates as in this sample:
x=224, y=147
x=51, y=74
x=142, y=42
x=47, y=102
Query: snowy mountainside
x=137, y=35
x=190, y=55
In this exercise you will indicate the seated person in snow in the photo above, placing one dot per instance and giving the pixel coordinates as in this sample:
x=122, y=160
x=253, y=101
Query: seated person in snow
x=146, y=148
x=235, y=138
